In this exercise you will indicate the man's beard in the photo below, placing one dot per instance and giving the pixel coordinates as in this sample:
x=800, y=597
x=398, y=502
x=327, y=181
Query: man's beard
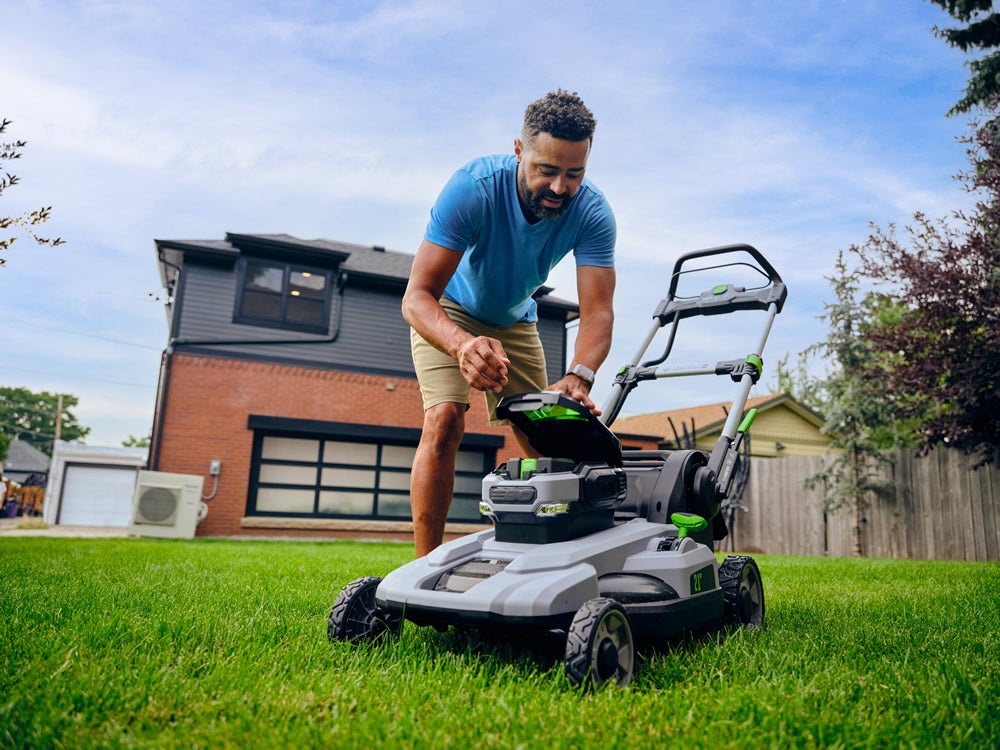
x=533, y=201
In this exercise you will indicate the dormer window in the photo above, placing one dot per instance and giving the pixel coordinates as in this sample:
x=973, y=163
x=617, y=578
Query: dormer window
x=283, y=295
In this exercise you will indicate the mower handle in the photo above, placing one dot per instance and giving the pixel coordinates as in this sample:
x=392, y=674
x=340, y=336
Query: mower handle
x=723, y=298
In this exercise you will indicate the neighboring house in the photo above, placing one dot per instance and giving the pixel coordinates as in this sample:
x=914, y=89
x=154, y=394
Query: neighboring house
x=23, y=460
x=288, y=362
x=783, y=427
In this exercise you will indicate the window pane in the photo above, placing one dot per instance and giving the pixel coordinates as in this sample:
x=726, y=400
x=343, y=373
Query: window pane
x=271, y=474
x=398, y=455
x=264, y=278
x=346, y=503
x=307, y=285
x=469, y=461
x=348, y=478
x=336, y=452
x=261, y=304
x=469, y=485
x=464, y=509
x=290, y=449
x=301, y=310
x=394, y=480
x=394, y=506
x=285, y=501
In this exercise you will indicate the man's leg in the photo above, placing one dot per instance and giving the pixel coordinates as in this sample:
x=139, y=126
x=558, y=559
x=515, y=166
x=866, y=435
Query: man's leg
x=432, y=480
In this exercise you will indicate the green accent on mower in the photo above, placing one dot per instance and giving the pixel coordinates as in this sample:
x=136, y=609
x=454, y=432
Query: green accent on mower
x=554, y=411
x=687, y=523
x=747, y=421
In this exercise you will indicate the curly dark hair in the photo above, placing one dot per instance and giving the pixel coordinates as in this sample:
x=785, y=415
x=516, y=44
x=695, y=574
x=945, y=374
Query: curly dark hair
x=561, y=114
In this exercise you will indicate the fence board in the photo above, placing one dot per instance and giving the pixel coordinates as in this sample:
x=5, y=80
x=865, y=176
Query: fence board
x=989, y=483
x=940, y=509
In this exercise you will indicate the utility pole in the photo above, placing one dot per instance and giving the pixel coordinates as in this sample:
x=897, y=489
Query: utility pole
x=58, y=421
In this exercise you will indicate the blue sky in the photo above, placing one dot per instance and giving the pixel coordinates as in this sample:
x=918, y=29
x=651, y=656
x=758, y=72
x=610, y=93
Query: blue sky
x=789, y=125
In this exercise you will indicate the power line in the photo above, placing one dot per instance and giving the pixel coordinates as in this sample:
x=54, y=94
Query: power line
x=85, y=335
x=76, y=377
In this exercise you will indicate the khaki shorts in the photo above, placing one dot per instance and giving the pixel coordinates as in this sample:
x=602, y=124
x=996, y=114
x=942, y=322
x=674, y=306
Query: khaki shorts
x=441, y=380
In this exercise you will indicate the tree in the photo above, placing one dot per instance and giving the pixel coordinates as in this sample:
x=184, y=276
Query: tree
x=799, y=383
x=852, y=403
x=134, y=442
x=31, y=417
x=9, y=151
x=937, y=331
x=981, y=32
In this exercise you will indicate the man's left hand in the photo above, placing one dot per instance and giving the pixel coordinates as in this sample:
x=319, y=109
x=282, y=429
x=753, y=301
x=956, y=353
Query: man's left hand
x=577, y=389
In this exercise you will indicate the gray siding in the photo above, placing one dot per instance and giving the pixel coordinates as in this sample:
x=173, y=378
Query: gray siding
x=371, y=336
x=552, y=333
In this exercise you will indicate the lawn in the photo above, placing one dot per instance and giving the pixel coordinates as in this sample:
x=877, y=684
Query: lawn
x=221, y=643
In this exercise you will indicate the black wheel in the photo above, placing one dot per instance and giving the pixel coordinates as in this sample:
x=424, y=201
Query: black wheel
x=599, y=646
x=356, y=617
x=742, y=591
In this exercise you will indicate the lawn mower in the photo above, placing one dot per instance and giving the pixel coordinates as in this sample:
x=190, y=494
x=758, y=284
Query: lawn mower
x=601, y=546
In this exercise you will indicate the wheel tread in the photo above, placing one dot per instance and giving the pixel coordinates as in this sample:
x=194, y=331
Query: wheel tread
x=338, y=622
x=730, y=577
x=578, y=665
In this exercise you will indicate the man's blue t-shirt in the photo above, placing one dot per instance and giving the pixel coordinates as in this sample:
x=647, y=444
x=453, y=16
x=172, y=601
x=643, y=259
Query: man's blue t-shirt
x=505, y=259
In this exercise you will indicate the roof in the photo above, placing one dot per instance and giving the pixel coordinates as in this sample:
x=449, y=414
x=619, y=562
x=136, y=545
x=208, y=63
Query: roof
x=23, y=457
x=706, y=419
x=366, y=263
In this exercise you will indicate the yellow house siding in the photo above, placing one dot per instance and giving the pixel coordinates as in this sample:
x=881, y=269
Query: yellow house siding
x=781, y=425
x=788, y=424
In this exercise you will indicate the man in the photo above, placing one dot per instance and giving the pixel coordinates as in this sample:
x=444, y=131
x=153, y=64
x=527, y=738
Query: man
x=496, y=231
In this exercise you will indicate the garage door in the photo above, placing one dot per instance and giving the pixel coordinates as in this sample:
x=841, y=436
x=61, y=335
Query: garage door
x=97, y=495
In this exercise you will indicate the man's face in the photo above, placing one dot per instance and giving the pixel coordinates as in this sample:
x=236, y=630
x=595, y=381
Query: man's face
x=549, y=173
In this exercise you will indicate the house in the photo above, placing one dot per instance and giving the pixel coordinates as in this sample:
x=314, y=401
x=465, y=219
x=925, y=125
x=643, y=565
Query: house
x=287, y=384
x=24, y=460
x=783, y=427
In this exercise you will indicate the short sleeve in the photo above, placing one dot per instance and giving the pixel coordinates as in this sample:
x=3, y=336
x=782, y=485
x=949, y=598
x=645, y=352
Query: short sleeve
x=457, y=214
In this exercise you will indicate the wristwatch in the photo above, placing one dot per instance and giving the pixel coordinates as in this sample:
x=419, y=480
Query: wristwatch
x=583, y=372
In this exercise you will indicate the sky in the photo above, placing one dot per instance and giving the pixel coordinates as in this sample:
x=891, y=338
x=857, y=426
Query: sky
x=790, y=125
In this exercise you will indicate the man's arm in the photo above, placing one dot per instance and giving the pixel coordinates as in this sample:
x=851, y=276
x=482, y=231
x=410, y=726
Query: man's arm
x=482, y=360
x=595, y=288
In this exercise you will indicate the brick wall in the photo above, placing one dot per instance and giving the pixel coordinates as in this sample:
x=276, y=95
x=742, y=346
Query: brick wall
x=210, y=399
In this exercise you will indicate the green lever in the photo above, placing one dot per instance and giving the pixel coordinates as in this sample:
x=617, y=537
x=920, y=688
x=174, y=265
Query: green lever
x=687, y=523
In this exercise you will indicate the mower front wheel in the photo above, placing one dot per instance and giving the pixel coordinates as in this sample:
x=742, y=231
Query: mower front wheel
x=356, y=617
x=600, y=647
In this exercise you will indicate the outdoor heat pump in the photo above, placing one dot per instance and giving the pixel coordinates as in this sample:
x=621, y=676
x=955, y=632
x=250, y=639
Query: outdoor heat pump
x=166, y=505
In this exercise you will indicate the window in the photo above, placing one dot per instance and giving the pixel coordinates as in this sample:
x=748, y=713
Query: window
x=283, y=295
x=346, y=477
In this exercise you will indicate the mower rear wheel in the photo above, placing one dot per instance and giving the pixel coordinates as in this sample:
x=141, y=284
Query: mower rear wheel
x=742, y=591
x=356, y=617
x=599, y=646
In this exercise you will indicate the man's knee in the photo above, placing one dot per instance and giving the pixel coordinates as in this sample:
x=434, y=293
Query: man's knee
x=444, y=425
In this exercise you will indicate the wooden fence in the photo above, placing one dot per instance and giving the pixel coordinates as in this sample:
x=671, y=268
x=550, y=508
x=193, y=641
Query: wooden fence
x=939, y=509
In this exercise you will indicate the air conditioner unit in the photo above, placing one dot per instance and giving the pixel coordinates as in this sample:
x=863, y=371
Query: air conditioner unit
x=166, y=505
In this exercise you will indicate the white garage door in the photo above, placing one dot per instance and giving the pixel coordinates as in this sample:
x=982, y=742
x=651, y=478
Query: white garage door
x=97, y=495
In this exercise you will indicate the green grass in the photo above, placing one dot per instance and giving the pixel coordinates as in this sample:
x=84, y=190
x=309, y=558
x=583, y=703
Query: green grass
x=218, y=643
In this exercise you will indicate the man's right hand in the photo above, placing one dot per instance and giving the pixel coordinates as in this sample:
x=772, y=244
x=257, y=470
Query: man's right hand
x=483, y=363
